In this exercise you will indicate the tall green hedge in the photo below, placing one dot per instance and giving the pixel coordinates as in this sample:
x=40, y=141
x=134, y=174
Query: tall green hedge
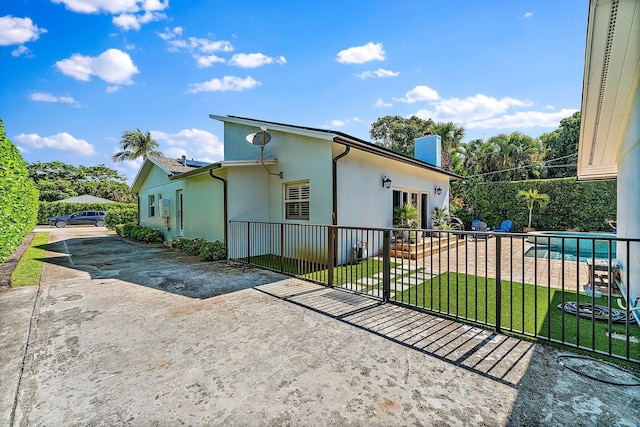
x=572, y=204
x=18, y=198
x=122, y=212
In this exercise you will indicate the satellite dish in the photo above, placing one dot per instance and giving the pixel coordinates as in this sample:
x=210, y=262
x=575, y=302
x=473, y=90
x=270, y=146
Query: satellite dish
x=259, y=138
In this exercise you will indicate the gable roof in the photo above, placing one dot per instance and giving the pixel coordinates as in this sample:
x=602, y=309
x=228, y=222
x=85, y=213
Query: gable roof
x=176, y=166
x=172, y=167
x=335, y=136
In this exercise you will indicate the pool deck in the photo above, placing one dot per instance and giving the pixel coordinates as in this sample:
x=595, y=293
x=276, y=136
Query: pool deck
x=477, y=257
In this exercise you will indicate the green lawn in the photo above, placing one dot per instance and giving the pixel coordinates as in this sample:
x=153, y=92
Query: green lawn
x=473, y=298
x=527, y=310
x=318, y=270
x=29, y=268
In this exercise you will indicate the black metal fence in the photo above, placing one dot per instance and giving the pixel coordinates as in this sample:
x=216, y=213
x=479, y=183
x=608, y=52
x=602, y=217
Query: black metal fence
x=565, y=288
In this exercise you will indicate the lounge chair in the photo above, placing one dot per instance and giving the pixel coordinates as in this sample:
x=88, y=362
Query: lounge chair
x=481, y=230
x=505, y=227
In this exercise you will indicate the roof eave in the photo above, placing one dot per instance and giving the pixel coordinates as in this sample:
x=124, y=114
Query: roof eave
x=370, y=148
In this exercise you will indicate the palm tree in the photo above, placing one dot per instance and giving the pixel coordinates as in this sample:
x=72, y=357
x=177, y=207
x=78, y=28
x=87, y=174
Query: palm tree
x=136, y=144
x=451, y=136
x=532, y=197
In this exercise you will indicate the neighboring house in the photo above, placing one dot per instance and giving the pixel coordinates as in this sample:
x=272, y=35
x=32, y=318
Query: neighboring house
x=305, y=176
x=179, y=207
x=610, y=128
x=85, y=198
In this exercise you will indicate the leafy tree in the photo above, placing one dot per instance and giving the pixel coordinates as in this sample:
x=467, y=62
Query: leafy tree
x=101, y=173
x=398, y=134
x=562, y=144
x=451, y=136
x=136, y=144
x=532, y=197
x=57, y=180
x=53, y=171
x=501, y=158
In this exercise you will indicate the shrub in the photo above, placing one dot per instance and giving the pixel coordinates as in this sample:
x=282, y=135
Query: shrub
x=140, y=233
x=212, y=251
x=126, y=212
x=206, y=251
x=572, y=204
x=121, y=215
x=18, y=198
x=190, y=246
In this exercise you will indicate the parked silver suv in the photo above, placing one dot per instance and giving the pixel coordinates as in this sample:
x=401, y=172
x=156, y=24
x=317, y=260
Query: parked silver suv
x=80, y=218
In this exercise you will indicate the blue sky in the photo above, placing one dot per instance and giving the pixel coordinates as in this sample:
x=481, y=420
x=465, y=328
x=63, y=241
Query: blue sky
x=77, y=73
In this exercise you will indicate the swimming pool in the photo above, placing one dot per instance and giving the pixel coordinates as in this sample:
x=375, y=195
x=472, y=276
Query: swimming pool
x=576, y=245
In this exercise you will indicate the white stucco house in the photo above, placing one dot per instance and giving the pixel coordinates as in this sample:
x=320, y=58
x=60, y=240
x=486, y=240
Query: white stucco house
x=304, y=176
x=609, y=144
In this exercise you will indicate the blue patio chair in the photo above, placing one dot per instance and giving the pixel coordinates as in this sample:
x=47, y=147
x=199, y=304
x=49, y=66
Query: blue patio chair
x=505, y=227
x=474, y=224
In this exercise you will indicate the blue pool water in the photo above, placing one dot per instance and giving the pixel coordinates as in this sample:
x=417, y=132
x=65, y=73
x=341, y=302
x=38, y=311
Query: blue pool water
x=582, y=246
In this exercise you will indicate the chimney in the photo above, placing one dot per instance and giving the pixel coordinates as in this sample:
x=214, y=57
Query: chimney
x=429, y=149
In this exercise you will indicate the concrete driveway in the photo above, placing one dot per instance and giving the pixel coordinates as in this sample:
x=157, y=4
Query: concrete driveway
x=121, y=333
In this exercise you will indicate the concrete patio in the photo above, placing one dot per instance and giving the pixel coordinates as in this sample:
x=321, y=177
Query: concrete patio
x=121, y=333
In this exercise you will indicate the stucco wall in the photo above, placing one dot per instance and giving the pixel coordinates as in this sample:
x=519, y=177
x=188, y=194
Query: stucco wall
x=629, y=199
x=362, y=201
x=202, y=210
x=258, y=196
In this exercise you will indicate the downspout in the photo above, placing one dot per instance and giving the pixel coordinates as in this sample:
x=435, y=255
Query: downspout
x=225, y=209
x=334, y=215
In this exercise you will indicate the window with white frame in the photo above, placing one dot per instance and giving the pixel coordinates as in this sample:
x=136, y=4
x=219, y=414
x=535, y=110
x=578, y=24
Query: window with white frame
x=296, y=200
x=152, y=205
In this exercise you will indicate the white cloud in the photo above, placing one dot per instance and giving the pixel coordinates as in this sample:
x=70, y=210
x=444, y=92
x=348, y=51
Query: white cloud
x=253, y=60
x=419, y=93
x=169, y=34
x=380, y=72
x=477, y=107
x=21, y=50
x=341, y=123
x=208, y=60
x=18, y=30
x=112, y=89
x=227, y=83
x=484, y=112
x=194, y=143
x=128, y=168
x=112, y=66
x=128, y=14
x=523, y=119
x=195, y=44
x=380, y=103
x=47, y=97
x=201, y=49
x=60, y=141
x=528, y=15
x=361, y=54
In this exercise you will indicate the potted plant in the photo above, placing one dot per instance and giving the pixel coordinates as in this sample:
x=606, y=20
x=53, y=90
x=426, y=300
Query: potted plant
x=531, y=197
x=405, y=216
x=440, y=219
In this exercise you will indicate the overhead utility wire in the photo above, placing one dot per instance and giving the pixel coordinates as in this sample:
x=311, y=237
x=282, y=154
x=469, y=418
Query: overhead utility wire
x=544, y=165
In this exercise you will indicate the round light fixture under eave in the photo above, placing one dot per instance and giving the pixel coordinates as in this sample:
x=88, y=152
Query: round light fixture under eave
x=259, y=138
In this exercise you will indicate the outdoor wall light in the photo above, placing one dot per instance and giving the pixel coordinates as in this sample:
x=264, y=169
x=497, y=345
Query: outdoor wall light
x=386, y=182
x=437, y=190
